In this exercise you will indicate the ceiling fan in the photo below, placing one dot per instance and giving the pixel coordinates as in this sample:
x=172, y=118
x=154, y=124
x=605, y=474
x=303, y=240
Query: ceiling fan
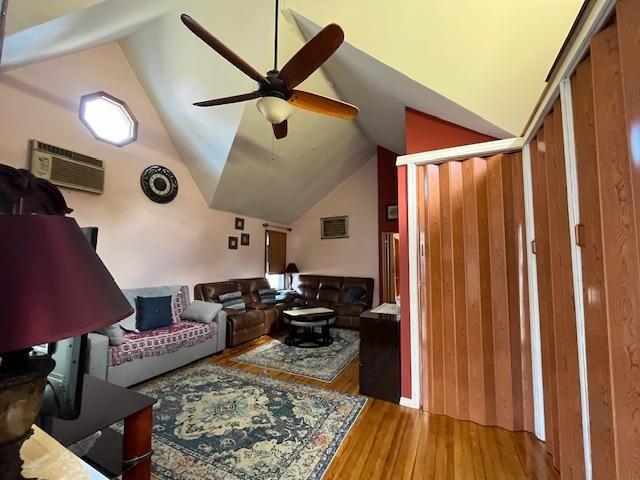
x=277, y=90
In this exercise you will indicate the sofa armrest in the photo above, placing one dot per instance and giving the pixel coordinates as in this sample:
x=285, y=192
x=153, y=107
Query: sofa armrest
x=290, y=297
x=98, y=355
x=221, y=322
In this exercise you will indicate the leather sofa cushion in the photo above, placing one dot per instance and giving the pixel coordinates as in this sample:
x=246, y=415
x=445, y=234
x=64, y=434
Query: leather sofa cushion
x=330, y=289
x=210, y=292
x=250, y=286
x=308, y=286
x=243, y=320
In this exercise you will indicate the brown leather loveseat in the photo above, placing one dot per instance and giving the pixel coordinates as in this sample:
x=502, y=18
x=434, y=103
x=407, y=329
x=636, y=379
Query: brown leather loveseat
x=258, y=319
x=331, y=292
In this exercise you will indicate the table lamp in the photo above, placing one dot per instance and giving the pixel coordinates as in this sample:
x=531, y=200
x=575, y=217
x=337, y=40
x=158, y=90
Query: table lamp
x=291, y=269
x=52, y=286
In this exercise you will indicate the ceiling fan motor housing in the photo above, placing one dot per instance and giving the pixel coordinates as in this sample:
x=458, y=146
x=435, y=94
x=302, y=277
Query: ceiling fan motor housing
x=275, y=86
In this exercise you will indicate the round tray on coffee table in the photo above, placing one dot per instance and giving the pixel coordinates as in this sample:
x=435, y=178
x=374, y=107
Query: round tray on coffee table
x=303, y=322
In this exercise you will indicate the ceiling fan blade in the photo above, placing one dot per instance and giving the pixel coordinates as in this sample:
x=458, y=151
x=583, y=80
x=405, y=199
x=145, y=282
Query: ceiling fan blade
x=310, y=57
x=224, y=101
x=324, y=105
x=280, y=129
x=222, y=49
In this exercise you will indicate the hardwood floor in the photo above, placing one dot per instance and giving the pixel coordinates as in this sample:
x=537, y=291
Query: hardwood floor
x=392, y=442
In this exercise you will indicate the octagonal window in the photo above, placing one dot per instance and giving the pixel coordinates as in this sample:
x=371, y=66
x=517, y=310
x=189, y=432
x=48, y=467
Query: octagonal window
x=108, y=118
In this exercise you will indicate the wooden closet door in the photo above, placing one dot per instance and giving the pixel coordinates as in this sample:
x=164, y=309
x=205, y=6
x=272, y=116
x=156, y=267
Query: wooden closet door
x=477, y=350
x=543, y=264
x=616, y=103
x=594, y=294
x=555, y=291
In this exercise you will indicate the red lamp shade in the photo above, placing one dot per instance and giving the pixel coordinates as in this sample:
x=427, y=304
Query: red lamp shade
x=52, y=283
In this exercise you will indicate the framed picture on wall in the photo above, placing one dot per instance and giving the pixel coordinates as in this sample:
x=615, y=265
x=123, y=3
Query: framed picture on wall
x=244, y=239
x=392, y=212
x=239, y=223
x=334, y=227
x=233, y=243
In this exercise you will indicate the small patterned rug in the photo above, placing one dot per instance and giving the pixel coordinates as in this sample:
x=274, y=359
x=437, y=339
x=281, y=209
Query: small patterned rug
x=221, y=423
x=322, y=363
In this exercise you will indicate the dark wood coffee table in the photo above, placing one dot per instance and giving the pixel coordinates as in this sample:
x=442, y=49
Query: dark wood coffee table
x=104, y=404
x=302, y=323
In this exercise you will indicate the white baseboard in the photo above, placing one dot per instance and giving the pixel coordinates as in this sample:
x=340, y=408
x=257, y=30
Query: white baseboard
x=408, y=402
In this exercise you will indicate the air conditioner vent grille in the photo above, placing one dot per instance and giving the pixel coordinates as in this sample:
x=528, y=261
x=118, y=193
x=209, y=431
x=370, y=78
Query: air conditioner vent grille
x=78, y=157
x=66, y=168
x=64, y=172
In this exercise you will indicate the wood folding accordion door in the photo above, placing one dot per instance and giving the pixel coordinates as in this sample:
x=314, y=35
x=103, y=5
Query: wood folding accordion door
x=580, y=363
x=605, y=91
x=477, y=351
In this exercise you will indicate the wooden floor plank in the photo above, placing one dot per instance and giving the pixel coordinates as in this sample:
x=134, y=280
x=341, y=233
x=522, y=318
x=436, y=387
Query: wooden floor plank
x=391, y=442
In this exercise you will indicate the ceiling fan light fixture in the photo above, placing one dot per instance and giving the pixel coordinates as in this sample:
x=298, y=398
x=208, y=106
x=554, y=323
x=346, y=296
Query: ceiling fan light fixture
x=274, y=109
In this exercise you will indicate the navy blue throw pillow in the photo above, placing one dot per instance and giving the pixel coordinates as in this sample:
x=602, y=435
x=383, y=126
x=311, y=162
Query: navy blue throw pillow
x=353, y=295
x=153, y=312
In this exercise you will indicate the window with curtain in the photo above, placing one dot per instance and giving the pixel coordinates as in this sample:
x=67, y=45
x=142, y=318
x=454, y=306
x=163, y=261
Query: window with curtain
x=275, y=252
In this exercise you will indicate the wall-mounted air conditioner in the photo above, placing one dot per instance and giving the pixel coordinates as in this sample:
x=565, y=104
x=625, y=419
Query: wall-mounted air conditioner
x=65, y=168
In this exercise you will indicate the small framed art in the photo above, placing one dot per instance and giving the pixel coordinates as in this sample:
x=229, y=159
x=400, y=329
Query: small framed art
x=392, y=212
x=239, y=223
x=334, y=227
x=233, y=243
x=244, y=239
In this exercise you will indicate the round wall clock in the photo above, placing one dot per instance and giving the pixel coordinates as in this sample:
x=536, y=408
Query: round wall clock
x=159, y=184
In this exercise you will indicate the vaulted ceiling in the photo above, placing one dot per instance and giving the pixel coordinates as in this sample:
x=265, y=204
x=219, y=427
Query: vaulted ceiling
x=479, y=64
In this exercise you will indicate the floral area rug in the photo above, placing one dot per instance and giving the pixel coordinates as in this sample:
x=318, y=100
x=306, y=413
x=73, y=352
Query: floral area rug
x=322, y=363
x=221, y=423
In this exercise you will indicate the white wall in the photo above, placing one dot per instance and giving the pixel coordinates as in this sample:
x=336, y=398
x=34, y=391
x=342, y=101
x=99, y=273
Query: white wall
x=356, y=256
x=141, y=242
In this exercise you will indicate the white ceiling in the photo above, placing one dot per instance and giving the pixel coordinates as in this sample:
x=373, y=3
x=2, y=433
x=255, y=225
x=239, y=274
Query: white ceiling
x=391, y=55
x=23, y=14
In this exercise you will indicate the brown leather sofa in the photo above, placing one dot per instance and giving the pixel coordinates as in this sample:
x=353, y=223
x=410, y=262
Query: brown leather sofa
x=258, y=319
x=329, y=291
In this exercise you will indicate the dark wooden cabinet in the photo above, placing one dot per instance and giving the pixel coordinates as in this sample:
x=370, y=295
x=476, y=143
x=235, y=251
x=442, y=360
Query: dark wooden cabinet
x=380, y=356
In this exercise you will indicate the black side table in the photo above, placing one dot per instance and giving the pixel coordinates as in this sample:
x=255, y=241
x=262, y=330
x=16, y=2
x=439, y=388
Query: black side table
x=104, y=404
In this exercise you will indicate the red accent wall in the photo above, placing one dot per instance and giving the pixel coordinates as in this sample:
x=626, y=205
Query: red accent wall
x=423, y=133
x=387, y=188
x=387, y=195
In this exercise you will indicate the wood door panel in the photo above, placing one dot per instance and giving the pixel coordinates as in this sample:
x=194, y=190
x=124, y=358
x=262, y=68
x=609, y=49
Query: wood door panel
x=482, y=198
x=569, y=404
x=543, y=264
x=460, y=296
x=435, y=350
x=523, y=338
x=448, y=294
x=477, y=392
x=477, y=347
x=499, y=294
x=618, y=191
x=597, y=337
